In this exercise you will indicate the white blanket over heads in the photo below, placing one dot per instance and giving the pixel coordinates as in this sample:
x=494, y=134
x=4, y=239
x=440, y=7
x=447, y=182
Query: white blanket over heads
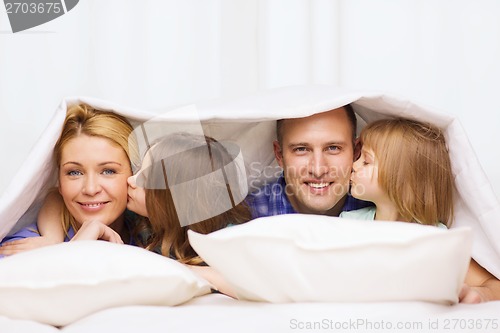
x=250, y=122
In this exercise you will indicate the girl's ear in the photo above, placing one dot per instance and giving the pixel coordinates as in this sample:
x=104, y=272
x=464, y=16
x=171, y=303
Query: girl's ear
x=357, y=149
x=278, y=153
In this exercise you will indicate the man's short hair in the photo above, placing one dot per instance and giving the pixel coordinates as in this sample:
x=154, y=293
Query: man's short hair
x=350, y=115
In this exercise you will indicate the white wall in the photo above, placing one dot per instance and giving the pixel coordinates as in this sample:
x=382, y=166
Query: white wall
x=156, y=53
x=441, y=53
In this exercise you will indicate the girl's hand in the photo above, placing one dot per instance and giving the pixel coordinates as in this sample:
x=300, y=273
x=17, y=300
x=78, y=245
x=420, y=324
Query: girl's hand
x=471, y=295
x=481, y=285
x=26, y=244
x=94, y=230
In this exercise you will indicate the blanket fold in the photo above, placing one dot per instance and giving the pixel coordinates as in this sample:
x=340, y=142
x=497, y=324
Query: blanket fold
x=250, y=122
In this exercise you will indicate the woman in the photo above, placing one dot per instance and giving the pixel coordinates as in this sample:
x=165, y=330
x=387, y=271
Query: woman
x=93, y=158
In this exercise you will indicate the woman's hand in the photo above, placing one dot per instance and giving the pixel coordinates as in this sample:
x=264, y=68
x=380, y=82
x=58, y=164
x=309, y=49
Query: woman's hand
x=94, y=230
x=26, y=244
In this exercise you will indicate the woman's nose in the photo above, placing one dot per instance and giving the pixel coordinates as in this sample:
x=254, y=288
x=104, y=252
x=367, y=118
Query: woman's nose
x=91, y=185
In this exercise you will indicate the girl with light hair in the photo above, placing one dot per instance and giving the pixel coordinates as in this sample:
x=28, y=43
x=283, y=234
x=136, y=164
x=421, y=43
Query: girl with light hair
x=405, y=170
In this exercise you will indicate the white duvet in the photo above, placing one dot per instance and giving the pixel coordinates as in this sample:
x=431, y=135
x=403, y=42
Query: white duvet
x=250, y=121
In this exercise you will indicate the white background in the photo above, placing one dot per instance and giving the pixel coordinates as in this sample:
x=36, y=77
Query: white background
x=154, y=54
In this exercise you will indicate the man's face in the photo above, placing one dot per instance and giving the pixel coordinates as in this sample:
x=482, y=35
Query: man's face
x=316, y=157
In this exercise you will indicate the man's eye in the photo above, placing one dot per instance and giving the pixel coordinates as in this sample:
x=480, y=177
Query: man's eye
x=333, y=148
x=299, y=149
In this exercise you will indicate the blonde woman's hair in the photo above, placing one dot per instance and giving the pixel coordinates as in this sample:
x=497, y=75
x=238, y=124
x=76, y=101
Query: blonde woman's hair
x=168, y=235
x=84, y=119
x=414, y=168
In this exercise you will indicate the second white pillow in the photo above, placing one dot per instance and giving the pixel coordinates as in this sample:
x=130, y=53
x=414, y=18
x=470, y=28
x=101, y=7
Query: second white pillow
x=302, y=258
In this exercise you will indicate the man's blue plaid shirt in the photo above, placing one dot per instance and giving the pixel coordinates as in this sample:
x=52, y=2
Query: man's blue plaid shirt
x=271, y=200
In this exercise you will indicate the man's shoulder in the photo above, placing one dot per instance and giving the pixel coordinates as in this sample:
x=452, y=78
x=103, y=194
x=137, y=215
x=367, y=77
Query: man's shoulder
x=352, y=203
x=270, y=199
x=268, y=189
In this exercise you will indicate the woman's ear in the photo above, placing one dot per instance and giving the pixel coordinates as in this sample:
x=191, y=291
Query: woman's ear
x=357, y=149
x=278, y=153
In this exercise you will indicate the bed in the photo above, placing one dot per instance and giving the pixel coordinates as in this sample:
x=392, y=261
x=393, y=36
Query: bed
x=217, y=313
x=73, y=288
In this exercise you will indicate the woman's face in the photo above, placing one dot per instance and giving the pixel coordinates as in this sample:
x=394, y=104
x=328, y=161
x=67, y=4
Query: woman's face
x=93, y=176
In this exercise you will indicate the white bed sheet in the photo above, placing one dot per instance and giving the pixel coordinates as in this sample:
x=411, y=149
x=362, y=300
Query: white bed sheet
x=219, y=313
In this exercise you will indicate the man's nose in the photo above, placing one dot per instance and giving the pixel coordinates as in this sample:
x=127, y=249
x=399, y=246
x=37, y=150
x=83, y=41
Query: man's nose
x=318, y=165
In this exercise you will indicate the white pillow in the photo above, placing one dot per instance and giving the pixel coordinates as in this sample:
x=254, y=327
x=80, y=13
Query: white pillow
x=302, y=258
x=59, y=284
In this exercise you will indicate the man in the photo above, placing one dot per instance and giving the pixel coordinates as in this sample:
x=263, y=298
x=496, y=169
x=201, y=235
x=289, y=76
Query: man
x=316, y=154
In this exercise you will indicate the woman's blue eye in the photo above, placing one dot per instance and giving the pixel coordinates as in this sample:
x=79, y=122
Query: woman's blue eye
x=109, y=172
x=73, y=173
